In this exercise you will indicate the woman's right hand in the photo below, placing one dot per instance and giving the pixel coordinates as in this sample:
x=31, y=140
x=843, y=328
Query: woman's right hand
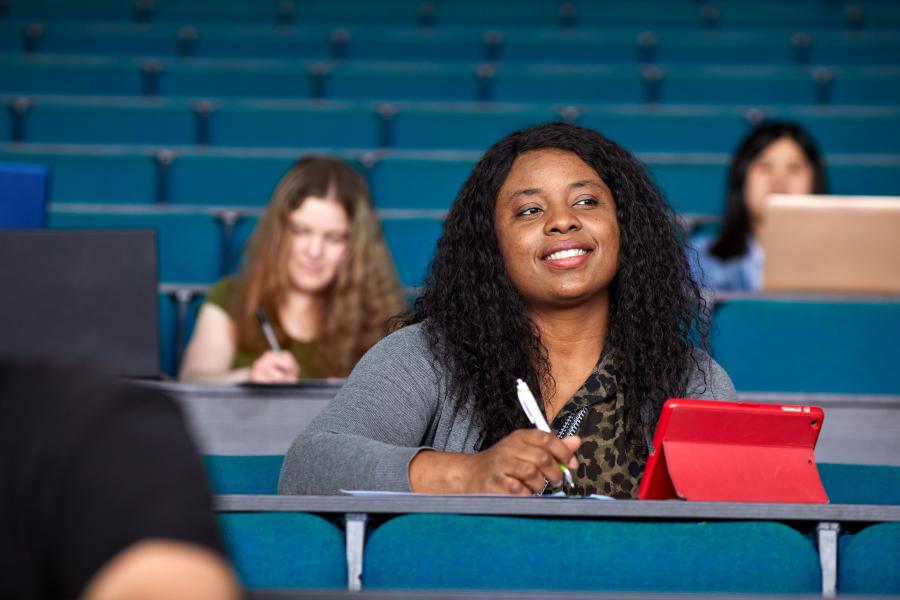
x=518, y=464
x=275, y=367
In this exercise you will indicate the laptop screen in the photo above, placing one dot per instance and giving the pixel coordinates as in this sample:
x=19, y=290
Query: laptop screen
x=81, y=297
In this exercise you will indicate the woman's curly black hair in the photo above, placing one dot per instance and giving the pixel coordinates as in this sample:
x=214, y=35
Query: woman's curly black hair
x=475, y=319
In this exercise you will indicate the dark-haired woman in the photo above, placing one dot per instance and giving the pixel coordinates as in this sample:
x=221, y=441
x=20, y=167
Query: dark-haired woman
x=559, y=264
x=776, y=157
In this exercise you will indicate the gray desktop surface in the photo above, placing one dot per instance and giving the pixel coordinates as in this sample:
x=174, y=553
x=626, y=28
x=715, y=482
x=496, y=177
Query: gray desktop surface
x=560, y=507
x=254, y=420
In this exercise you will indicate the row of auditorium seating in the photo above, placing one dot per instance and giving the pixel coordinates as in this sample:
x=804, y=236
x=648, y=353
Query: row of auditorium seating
x=844, y=483
x=460, y=126
x=449, y=81
x=400, y=180
x=814, y=14
x=471, y=43
x=766, y=344
x=446, y=551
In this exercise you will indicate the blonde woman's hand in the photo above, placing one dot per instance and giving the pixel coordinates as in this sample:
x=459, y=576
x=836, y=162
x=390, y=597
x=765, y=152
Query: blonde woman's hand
x=275, y=367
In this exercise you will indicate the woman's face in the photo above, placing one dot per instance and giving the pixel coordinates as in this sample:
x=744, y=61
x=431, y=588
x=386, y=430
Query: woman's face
x=556, y=225
x=318, y=233
x=782, y=168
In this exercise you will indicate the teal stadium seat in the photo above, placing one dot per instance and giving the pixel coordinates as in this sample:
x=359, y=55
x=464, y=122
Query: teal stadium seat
x=737, y=85
x=855, y=47
x=504, y=553
x=580, y=46
x=227, y=178
x=86, y=10
x=810, y=14
x=462, y=126
x=867, y=561
x=171, y=348
x=638, y=13
x=225, y=11
x=692, y=184
x=293, y=124
x=660, y=128
x=404, y=12
x=285, y=550
x=493, y=12
x=231, y=78
x=861, y=484
x=301, y=42
x=243, y=474
x=113, y=39
x=723, y=47
x=110, y=121
x=99, y=176
x=878, y=176
x=5, y=126
x=412, y=241
x=395, y=81
x=879, y=15
x=405, y=43
x=429, y=182
x=878, y=85
x=809, y=346
x=189, y=242
x=568, y=84
x=73, y=75
x=849, y=130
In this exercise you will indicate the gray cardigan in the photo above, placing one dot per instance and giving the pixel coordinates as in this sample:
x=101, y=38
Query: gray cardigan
x=395, y=403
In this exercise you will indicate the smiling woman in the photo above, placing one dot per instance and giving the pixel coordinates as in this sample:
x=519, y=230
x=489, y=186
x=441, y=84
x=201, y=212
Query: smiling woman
x=560, y=264
x=318, y=267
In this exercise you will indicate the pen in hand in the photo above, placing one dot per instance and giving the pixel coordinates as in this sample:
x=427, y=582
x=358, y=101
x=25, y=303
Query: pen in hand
x=267, y=330
x=529, y=405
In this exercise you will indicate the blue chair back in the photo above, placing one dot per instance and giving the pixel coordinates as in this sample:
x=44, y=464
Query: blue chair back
x=468, y=552
x=285, y=550
x=243, y=474
x=809, y=346
x=868, y=561
x=861, y=484
x=23, y=195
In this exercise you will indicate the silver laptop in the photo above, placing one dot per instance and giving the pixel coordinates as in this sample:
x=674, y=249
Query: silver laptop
x=831, y=244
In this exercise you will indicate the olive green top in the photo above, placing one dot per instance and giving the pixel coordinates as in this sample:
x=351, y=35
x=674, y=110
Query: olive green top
x=222, y=294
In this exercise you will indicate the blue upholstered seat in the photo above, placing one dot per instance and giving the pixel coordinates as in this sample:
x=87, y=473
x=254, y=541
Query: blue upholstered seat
x=861, y=484
x=171, y=348
x=189, y=243
x=867, y=562
x=420, y=181
x=24, y=190
x=110, y=121
x=285, y=550
x=462, y=126
x=504, y=553
x=809, y=346
x=412, y=241
x=243, y=474
x=293, y=124
x=113, y=175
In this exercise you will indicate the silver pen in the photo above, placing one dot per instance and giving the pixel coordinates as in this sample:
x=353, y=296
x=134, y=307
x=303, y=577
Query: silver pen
x=267, y=330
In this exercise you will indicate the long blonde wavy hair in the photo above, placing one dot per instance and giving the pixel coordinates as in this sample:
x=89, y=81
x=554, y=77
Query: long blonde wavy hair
x=365, y=292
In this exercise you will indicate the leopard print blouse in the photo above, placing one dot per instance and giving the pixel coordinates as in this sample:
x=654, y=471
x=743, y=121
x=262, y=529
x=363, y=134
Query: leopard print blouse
x=611, y=459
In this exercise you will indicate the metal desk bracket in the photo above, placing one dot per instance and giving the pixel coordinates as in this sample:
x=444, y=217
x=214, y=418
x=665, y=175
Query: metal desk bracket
x=355, y=536
x=827, y=536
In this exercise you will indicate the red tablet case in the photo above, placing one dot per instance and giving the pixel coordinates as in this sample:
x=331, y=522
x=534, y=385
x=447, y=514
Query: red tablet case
x=734, y=452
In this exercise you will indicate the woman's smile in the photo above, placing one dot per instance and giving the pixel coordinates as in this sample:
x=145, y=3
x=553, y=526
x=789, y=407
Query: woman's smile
x=566, y=254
